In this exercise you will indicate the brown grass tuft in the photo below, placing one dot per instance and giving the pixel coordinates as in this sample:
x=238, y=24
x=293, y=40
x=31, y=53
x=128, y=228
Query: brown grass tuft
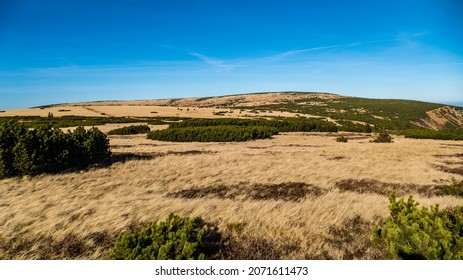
x=454, y=170
x=46, y=247
x=242, y=247
x=349, y=241
x=372, y=186
x=285, y=191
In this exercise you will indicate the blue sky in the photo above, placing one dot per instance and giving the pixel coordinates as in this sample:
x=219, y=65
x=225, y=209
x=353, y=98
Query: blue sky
x=67, y=51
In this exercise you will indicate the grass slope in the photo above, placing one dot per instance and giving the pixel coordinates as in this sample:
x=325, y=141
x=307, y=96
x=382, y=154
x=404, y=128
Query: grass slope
x=392, y=114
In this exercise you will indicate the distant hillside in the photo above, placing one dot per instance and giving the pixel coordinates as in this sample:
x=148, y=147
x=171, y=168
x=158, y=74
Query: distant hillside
x=393, y=114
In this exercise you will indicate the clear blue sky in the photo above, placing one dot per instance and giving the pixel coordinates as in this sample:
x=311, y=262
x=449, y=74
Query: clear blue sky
x=66, y=51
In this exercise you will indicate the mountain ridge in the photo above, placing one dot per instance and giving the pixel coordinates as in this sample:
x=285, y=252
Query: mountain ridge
x=391, y=114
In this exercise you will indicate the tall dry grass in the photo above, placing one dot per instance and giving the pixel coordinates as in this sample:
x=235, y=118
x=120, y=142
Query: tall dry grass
x=94, y=205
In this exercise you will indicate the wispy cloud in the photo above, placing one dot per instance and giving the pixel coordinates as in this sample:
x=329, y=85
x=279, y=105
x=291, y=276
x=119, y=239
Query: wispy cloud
x=296, y=51
x=215, y=62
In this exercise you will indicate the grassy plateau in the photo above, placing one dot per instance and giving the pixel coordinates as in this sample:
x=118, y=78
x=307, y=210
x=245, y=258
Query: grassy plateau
x=314, y=186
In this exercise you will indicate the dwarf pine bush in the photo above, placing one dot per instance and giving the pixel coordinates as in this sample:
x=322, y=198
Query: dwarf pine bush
x=128, y=130
x=48, y=150
x=383, y=137
x=413, y=233
x=341, y=139
x=213, y=133
x=177, y=238
x=283, y=125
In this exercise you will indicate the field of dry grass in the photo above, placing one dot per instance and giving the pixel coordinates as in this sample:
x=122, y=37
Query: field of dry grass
x=185, y=107
x=145, y=111
x=297, y=192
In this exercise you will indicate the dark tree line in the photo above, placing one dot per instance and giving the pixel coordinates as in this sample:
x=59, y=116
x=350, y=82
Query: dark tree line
x=213, y=133
x=286, y=125
x=128, y=130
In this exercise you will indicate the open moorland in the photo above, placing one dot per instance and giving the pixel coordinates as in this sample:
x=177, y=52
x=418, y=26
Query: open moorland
x=296, y=195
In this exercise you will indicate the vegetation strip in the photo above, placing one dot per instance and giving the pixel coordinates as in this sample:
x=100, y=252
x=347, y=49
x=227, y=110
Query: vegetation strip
x=444, y=134
x=283, y=125
x=213, y=134
x=130, y=130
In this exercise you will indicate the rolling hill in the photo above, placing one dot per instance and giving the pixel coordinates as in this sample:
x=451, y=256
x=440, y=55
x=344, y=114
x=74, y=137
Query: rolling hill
x=391, y=114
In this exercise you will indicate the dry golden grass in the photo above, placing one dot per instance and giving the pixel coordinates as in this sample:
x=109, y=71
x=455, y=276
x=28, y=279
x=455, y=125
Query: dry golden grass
x=145, y=111
x=104, y=201
x=185, y=107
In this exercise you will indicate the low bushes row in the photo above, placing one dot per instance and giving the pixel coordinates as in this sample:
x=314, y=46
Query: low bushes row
x=213, y=133
x=129, y=130
x=66, y=121
x=408, y=233
x=285, y=125
x=48, y=150
x=444, y=134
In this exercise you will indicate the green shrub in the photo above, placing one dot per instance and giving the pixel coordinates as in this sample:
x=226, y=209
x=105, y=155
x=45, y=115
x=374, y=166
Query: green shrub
x=128, y=130
x=48, y=150
x=413, y=233
x=68, y=121
x=383, y=137
x=177, y=238
x=10, y=132
x=354, y=127
x=341, y=139
x=213, y=134
x=444, y=134
x=283, y=125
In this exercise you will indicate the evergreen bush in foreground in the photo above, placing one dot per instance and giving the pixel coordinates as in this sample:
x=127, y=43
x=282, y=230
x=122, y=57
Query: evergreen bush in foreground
x=413, y=233
x=48, y=150
x=177, y=238
x=213, y=134
x=129, y=130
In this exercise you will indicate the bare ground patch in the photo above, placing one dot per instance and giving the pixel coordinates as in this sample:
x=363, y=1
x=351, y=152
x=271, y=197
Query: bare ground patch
x=382, y=188
x=291, y=191
x=46, y=247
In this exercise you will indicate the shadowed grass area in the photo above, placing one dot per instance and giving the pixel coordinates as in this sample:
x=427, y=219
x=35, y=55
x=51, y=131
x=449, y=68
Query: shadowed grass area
x=383, y=188
x=349, y=240
x=46, y=247
x=285, y=191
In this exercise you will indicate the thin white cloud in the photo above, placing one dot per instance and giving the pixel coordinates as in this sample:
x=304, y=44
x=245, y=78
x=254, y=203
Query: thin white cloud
x=298, y=51
x=214, y=62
